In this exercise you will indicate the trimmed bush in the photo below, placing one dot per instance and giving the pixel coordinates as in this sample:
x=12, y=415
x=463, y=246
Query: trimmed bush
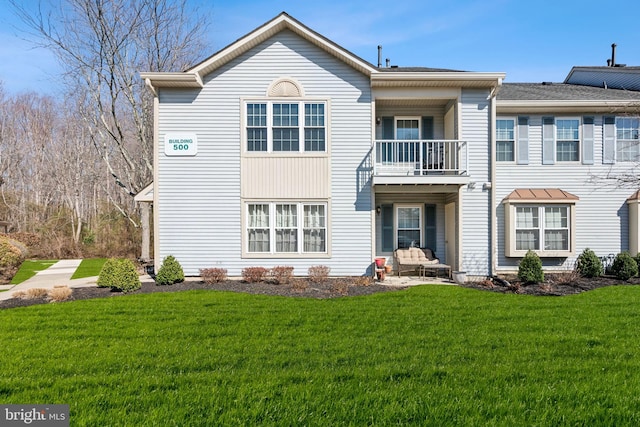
x=624, y=266
x=254, y=274
x=588, y=264
x=281, y=274
x=318, y=273
x=170, y=272
x=119, y=275
x=530, y=268
x=213, y=275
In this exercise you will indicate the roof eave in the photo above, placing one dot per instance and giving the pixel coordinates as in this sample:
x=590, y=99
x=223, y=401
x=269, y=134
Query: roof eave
x=176, y=80
x=541, y=106
x=438, y=78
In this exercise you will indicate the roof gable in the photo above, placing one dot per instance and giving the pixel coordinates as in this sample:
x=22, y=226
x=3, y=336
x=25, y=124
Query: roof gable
x=259, y=35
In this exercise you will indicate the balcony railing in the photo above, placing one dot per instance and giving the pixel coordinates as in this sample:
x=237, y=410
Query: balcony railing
x=431, y=157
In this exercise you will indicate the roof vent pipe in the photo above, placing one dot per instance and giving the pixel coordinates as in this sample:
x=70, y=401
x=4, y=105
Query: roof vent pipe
x=613, y=55
x=379, y=56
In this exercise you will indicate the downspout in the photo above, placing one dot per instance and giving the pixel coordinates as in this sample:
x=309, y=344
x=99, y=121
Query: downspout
x=492, y=187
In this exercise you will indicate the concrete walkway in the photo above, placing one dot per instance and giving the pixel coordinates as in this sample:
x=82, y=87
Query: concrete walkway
x=59, y=274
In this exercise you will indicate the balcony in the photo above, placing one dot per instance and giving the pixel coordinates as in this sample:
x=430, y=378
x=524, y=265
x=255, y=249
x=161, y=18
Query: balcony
x=420, y=162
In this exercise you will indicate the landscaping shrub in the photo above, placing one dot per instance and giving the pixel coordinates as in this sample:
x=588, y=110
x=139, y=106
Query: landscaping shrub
x=213, y=275
x=281, y=274
x=59, y=293
x=298, y=284
x=530, y=268
x=624, y=266
x=254, y=274
x=34, y=293
x=170, y=272
x=318, y=273
x=119, y=275
x=12, y=253
x=588, y=264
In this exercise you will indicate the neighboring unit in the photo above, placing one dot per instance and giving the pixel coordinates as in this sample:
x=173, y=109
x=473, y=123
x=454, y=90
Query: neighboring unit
x=286, y=149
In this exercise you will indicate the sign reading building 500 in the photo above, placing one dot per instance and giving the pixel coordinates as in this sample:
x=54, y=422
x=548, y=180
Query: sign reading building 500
x=180, y=144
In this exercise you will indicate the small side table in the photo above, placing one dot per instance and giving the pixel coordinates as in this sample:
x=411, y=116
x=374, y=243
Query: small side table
x=437, y=268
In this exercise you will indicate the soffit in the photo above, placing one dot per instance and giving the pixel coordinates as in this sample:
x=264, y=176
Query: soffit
x=395, y=103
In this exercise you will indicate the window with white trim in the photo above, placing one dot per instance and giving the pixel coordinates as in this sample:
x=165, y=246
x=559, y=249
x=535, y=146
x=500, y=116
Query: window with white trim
x=546, y=229
x=567, y=139
x=628, y=139
x=276, y=228
x=285, y=126
x=409, y=226
x=543, y=228
x=505, y=140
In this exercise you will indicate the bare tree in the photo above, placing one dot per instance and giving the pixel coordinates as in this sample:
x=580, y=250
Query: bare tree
x=102, y=45
x=626, y=174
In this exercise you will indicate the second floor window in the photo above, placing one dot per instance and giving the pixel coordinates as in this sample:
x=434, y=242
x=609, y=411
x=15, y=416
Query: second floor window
x=285, y=126
x=567, y=140
x=628, y=139
x=505, y=140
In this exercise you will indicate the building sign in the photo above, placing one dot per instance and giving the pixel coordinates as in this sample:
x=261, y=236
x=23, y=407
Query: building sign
x=180, y=144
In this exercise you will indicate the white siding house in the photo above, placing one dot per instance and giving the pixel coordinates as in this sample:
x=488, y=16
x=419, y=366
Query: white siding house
x=286, y=149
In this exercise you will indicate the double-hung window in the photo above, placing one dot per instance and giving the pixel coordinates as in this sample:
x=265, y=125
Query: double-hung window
x=409, y=226
x=567, y=140
x=277, y=228
x=505, y=140
x=291, y=126
x=628, y=139
x=542, y=228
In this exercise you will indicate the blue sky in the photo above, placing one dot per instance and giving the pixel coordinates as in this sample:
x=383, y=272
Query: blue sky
x=530, y=41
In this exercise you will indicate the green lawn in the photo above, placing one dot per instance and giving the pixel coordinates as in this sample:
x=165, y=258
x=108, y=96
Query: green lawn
x=431, y=355
x=88, y=268
x=29, y=268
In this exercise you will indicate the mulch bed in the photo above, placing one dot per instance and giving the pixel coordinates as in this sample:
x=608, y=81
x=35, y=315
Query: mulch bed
x=330, y=288
x=338, y=287
x=554, y=285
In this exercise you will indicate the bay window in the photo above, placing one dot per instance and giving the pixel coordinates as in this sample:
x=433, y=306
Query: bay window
x=540, y=220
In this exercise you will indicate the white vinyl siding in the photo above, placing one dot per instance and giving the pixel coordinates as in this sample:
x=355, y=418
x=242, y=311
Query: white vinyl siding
x=601, y=214
x=475, y=120
x=200, y=211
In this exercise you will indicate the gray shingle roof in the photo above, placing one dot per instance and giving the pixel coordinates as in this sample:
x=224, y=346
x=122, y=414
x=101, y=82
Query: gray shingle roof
x=416, y=70
x=562, y=92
